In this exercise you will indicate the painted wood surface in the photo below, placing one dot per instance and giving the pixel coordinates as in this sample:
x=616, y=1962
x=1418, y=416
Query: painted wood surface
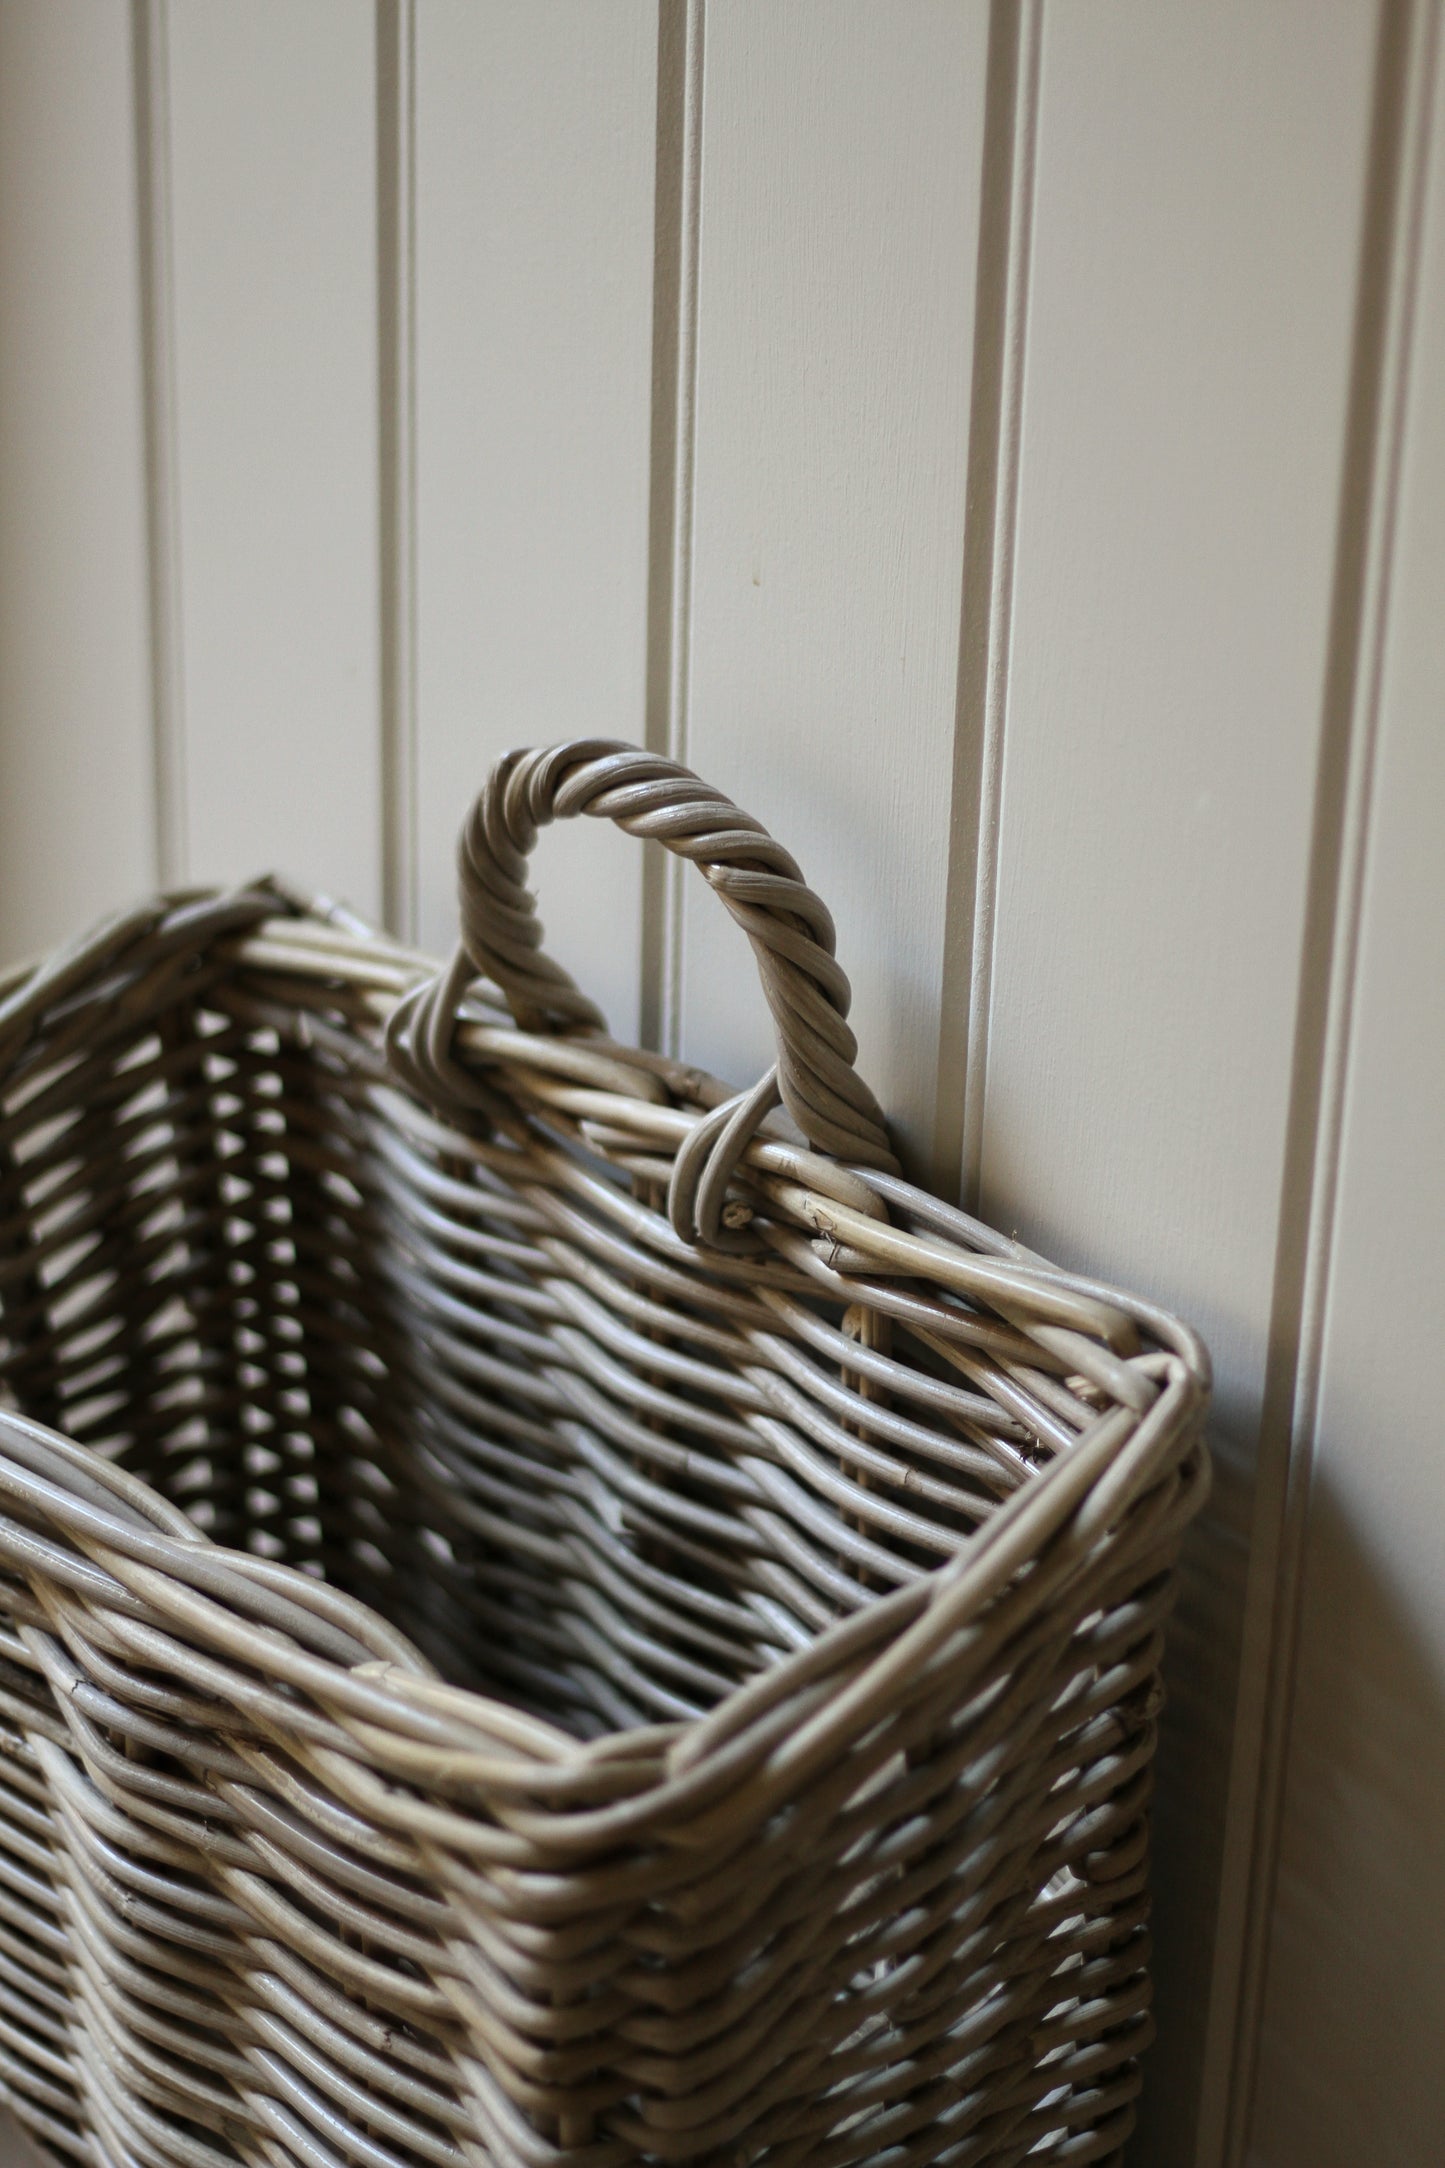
x=383, y=387
x=1188, y=359
x=75, y=696
x=835, y=344
x=535, y=133
x=273, y=189
x=1354, y=2012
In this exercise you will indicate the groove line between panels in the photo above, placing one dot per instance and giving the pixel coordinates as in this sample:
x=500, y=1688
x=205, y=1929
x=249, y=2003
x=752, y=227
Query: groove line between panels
x=680, y=41
x=986, y=602
x=152, y=127
x=396, y=446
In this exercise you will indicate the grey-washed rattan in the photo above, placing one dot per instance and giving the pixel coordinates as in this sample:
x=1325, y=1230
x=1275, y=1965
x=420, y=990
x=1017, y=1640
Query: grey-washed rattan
x=541, y=1618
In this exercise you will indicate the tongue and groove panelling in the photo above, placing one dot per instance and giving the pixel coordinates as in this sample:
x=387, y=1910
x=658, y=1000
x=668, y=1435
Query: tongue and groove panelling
x=391, y=497
x=1350, y=2067
x=1190, y=339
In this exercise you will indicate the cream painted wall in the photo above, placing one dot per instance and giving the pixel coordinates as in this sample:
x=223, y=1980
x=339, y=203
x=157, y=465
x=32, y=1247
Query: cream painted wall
x=1001, y=442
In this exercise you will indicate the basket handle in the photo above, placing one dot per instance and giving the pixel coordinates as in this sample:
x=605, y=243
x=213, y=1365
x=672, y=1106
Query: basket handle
x=790, y=929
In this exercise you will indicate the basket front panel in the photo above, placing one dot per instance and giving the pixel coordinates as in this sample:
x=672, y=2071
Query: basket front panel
x=935, y=1950
x=222, y=1960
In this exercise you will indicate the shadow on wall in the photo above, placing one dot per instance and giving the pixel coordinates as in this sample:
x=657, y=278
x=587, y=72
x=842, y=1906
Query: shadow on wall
x=1352, y=2060
x=1196, y=1740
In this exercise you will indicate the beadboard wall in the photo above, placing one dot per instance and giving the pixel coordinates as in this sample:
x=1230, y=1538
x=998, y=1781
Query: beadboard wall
x=1004, y=447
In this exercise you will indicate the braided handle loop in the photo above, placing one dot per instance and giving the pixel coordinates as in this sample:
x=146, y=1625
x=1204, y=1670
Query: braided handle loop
x=790, y=929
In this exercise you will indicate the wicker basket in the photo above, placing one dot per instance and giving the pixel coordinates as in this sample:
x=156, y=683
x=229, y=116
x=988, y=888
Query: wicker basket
x=541, y=1617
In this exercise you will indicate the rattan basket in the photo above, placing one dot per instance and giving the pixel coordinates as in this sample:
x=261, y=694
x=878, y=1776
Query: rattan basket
x=542, y=1618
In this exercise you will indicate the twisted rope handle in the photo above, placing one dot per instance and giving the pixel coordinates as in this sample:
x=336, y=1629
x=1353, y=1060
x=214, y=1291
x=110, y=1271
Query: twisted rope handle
x=790, y=929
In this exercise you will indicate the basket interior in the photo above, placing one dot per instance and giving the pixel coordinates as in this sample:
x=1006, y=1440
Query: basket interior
x=471, y=1378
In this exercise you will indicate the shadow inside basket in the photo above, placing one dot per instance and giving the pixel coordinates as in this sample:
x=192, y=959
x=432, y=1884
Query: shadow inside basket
x=467, y=1373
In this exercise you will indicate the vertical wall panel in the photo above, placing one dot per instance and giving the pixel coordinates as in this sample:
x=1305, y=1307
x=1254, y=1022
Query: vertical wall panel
x=274, y=279
x=75, y=812
x=840, y=199
x=1198, y=202
x=1350, y=2065
x=535, y=133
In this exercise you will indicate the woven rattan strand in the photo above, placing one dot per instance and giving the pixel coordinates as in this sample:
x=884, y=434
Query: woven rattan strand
x=549, y=1612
